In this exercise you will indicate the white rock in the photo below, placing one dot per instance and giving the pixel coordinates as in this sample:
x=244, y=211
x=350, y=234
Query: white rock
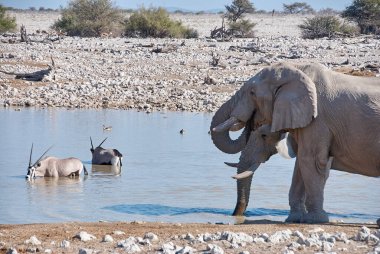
x=33, y=240
x=294, y=246
x=372, y=239
x=65, y=244
x=310, y=242
x=84, y=236
x=189, y=237
x=186, y=250
x=168, y=247
x=12, y=251
x=341, y=237
x=151, y=237
x=258, y=240
x=133, y=248
x=327, y=246
x=280, y=236
x=214, y=249
x=130, y=240
x=85, y=251
x=298, y=234
x=108, y=239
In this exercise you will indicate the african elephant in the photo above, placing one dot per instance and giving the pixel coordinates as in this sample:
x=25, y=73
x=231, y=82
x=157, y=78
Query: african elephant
x=328, y=114
x=261, y=145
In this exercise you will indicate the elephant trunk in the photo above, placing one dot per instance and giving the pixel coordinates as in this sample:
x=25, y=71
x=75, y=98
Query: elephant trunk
x=243, y=191
x=243, y=187
x=222, y=139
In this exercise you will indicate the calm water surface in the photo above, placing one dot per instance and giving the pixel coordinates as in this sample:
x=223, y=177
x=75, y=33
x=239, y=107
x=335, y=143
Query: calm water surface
x=166, y=176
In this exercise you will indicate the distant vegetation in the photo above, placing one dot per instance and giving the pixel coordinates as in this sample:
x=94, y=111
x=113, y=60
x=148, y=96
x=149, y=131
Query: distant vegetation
x=366, y=13
x=7, y=24
x=156, y=23
x=90, y=18
x=240, y=27
x=326, y=26
x=237, y=25
x=298, y=7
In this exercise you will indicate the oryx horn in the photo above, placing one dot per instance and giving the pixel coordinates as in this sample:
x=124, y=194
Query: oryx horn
x=102, y=142
x=30, y=156
x=39, y=159
x=92, y=146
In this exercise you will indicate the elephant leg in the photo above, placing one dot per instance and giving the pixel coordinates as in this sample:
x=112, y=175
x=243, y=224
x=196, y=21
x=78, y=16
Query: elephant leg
x=314, y=175
x=296, y=197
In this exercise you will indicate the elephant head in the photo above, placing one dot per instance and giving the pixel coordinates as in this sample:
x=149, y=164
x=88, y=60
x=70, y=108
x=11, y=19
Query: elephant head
x=261, y=145
x=280, y=95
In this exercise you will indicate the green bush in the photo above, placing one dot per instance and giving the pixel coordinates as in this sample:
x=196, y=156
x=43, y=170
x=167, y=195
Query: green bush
x=90, y=18
x=366, y=13
x=155, y=22
x=325, y=26
x=242, y=28
x=7, y=24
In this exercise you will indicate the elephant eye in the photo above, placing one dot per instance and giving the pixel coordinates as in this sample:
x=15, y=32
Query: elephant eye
x=252, y=92
x=263, y=136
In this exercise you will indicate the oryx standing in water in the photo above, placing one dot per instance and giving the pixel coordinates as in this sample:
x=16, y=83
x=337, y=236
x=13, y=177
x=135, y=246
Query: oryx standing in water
x=54, y=167
x=101, y=156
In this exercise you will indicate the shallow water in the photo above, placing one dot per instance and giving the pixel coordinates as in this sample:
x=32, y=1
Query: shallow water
x=166, y=176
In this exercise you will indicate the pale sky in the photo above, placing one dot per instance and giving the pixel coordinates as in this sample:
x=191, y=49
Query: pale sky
x=193, y=5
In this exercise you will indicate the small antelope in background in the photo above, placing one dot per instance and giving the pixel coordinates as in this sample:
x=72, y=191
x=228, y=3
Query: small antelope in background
x=102, y=156
x=54, y=167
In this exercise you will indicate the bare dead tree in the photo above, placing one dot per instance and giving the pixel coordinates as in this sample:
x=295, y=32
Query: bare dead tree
x=33, y=76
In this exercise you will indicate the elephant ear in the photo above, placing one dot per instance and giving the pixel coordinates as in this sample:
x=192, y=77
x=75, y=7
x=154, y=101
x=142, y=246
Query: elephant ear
x=295, y=103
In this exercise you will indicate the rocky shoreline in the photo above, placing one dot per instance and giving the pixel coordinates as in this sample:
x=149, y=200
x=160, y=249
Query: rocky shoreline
x=147, y=237
x=161, y=74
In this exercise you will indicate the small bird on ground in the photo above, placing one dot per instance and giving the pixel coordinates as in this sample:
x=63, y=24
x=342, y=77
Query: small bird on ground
x=182, y=131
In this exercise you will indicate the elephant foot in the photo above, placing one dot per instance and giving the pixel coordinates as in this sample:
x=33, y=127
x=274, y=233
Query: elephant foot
x=316, y=217
x=378, y=222
x=295, y=217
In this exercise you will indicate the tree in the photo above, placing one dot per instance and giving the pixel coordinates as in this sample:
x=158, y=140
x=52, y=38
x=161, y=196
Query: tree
x=90, y=18
x=366, y=13
x=238, y=26
x=6, y=23
x=298, y=7
x=238, y=8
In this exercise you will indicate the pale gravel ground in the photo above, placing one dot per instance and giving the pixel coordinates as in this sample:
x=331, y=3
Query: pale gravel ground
x=120, y=73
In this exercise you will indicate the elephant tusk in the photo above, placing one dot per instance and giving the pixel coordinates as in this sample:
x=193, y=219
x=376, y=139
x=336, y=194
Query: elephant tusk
x=232, y=164
x=226, y=125
x=248, y=172
x=243, y=175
